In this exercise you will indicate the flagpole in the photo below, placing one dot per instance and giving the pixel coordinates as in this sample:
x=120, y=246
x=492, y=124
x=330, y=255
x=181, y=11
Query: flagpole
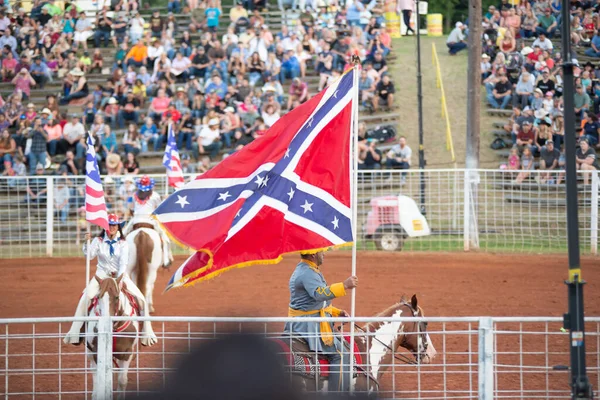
x=354, y=182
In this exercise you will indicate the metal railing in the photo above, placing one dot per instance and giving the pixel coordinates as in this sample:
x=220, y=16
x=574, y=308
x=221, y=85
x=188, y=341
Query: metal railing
x=488, y=211
x=477, y=357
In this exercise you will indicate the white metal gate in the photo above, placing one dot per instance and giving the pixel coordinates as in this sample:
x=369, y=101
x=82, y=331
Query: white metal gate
x=478, y=357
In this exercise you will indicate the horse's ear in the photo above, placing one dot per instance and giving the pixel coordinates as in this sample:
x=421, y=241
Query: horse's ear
x=413, y=302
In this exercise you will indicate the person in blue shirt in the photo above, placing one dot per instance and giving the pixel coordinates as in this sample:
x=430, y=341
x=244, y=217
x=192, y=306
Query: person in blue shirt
x=216, y=84
x=594, y=50
x=40, y=72
x=212, y=17
x=290, y=66
x=150, y=134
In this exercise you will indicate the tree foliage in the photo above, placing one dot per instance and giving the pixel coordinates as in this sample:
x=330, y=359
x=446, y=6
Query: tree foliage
x=455, y=10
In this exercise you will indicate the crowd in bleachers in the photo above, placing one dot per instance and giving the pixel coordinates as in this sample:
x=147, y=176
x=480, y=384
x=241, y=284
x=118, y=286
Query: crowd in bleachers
x=521, y=67
x=220, y=82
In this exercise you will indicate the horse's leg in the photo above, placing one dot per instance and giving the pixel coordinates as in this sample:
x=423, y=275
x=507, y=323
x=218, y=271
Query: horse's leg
x=122, y=378
x=150, y=289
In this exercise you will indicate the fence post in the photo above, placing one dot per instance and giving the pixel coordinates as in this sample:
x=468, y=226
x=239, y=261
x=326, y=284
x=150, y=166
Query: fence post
x=470, y=227
x=594, y=216
x=104, y=374
x=49, y=216
x=486, y=359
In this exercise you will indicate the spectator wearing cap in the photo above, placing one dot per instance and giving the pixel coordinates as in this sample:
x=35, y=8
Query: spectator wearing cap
x=209, y=140
x=290, y=66
x=502, y=93
x=545, y=83
x=547, y=24
x=549, y=157
x=485, y=66
x=456, y=40
x=586, y=159
x=104, y=28
x=582, y=101
x=78, y=86
x=138, y=55
x=384, y=93
x=120, y=26
x=186, y=166
x=298, y=93
x=525, y=136
x=36, y=187
x=83, y=31
x=213, y=13
x=594, y=50
x=40, y=72
x=37, y=152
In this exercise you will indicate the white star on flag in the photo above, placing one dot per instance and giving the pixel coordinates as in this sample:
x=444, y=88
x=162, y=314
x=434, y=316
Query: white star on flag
x=264, y=182
x=291, y=193
x=259, y=180
x=224, y=196
x=335, y=222
x=287, y=153
x=307, y=206
x=182, y=201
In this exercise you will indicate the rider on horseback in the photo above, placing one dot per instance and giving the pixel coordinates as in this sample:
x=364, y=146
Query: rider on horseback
x=112, y=251
x=145, y=201
x=311, y=297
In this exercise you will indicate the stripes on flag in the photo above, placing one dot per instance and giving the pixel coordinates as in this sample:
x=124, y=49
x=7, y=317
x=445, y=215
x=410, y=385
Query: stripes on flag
x=172, y=162
x=95, y=206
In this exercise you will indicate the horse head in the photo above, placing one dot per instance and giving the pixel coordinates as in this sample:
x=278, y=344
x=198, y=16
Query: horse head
x=414, y=336
x=111, y=288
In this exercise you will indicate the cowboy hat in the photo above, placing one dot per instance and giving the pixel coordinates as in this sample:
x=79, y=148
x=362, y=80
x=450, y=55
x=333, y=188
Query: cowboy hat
x=541, y=113
x=113, y=160
x=526, y=51
x=112, y=101
x=30, y=105
x=213, y=122
x=113, y=219
x=145, y=183
x=46, y=111
x=77, y=72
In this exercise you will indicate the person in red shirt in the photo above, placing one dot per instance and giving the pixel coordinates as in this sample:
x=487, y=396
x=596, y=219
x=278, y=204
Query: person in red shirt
x=173, y=112
x=298, y=93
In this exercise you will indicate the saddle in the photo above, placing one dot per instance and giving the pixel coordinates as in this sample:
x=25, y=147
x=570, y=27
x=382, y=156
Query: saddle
x=142, y=225
x=303, y=361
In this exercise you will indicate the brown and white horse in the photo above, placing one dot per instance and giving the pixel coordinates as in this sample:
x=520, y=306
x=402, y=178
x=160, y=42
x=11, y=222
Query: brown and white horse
x=145, y=258
x=112, y=300
x=379, y=344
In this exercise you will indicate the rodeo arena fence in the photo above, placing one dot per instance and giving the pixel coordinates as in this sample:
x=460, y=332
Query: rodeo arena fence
x=465, y=209
x=478, y=357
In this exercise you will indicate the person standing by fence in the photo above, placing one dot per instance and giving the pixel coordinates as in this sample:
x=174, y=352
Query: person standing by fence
x=406, y=7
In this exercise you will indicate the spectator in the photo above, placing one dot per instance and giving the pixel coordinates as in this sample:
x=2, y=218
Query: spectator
x=384, y=92
x=543, y=42
x=527, y=165
x=131, y=165
x=514, y=164
x=525, y=136
x=159, y=105
x=290, y=66
x=594, y=50
x=83, y=31
x=114, y=165
x=456, y=41
x=586, y=159
x=174, y=6
x=23, y=82
x=213, y=12
x=77, y=88
x=73, y=136
x=237, y=12
x=9, y=65
x=149, y=134
x=157, y=24
x=547, y=24
x=399, y=157
x=591, y=128
x=549, y=157
x=55, y=134
x=8, y=147
x=132, y=140
x=186, y=166
x=523, y=90
x=69, y=165
x=369, y=156
x=103, y=28
x=582, y=101
x=209, y=140
x=37, y=152
x=138, y=55
x=40, y=72
x=186, y=131
x=36, y=186
x=501, y=93
x=62, y=195
x=129, y=109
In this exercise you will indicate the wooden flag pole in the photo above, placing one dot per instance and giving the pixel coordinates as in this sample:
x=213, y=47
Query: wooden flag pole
x=354, y=186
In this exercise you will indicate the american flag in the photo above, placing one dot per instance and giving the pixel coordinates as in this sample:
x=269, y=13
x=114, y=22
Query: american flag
x=288, y=191
x=95, y=206
x=172, y=162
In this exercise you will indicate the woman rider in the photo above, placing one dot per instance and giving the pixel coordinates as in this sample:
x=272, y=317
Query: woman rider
x=112, y=251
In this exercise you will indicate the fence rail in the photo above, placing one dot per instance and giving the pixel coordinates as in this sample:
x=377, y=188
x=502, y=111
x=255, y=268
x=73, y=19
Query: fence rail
x=478, y=357
x=485, y=209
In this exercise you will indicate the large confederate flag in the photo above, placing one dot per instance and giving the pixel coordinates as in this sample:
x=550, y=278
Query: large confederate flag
x=287, y=191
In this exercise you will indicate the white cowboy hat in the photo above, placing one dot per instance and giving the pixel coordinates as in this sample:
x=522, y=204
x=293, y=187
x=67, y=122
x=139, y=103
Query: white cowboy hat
x=113, y=160
x=526, y=51
x=540, y=114
x=77, y=72
x=46, y=111
x=112, y=100
x=213, y=121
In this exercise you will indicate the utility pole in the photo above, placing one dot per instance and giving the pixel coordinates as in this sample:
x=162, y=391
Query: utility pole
x=474, y=85
x=574, y=319
x=420, y=113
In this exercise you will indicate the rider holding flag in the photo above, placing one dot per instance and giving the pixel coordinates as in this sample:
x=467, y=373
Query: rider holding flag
x=112, y=251
x=145, y=201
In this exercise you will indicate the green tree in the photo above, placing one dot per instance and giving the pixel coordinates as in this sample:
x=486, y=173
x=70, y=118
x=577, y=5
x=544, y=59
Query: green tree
x=455, y=10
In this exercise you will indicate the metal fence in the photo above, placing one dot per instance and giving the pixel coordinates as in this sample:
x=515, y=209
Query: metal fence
x=478, y=358
x=483, y=209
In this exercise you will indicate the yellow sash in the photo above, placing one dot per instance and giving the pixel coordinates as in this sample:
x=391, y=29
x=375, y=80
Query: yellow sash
x=326, y=332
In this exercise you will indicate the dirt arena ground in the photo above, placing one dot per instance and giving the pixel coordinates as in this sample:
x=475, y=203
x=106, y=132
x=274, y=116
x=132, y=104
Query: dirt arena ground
x=448, y=285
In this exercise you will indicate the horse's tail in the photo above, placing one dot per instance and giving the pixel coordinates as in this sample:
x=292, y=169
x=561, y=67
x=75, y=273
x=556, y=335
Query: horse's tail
x=145, y=247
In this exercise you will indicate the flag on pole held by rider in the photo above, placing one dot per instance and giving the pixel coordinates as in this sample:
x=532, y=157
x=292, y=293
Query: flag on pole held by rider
x=287, y=191
x=172, y=161
x=95, y=206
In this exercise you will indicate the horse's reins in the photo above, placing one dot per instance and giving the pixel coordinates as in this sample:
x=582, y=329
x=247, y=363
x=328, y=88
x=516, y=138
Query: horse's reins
x=399, y=357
